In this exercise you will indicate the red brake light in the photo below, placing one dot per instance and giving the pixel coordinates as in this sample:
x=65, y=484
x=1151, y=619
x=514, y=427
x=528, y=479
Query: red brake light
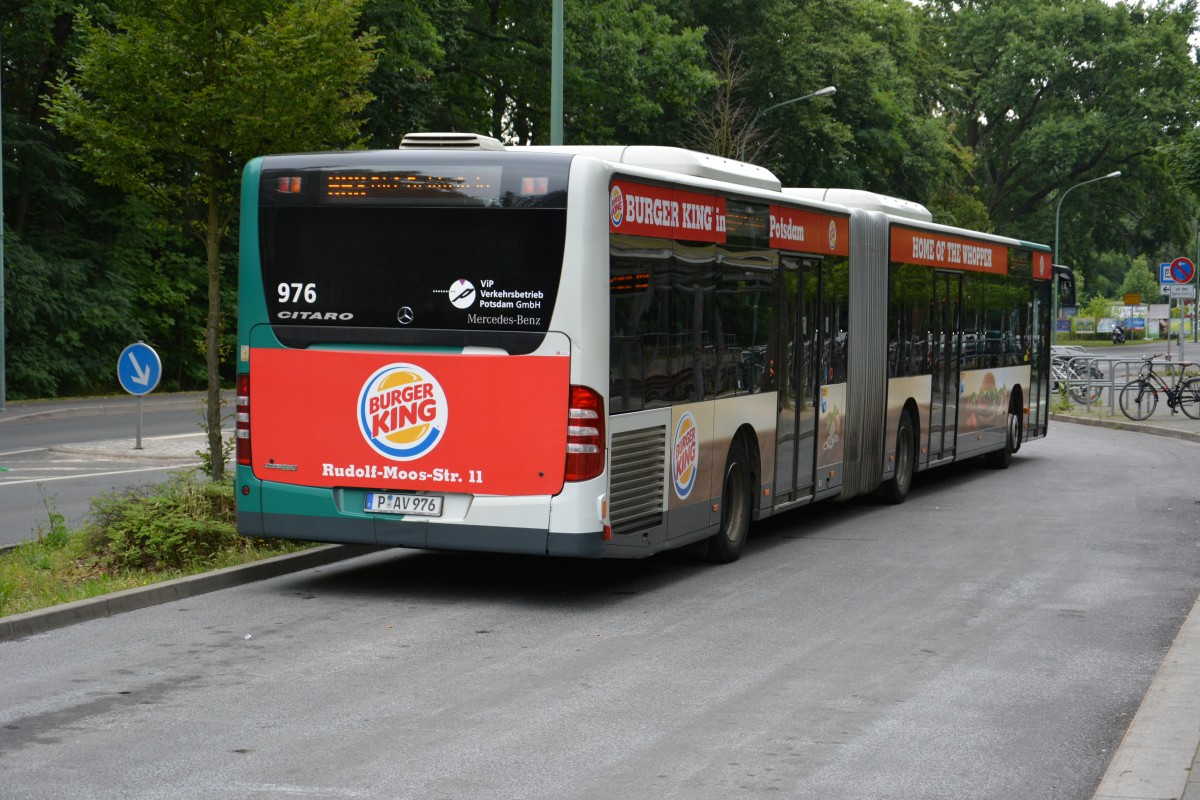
x=242, y=419
x=585, y=434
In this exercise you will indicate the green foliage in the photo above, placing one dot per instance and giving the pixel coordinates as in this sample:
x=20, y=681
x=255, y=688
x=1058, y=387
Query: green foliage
x=136, y=537
x=412, y=35
x=1062, y=400
x=166, y=526
x=1099, y=307
x=1141, y=280
x=1104, y=273
x=984, y=111
x=227, y=445
x=170, y=98
x=56, y=535
x=1046, y=95
x=632, y=73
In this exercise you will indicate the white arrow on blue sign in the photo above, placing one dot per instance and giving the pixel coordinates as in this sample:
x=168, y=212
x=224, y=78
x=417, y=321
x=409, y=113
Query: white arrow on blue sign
x=139, y=369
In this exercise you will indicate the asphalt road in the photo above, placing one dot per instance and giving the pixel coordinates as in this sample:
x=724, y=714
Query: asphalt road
x=990, y=638
x=40, y=474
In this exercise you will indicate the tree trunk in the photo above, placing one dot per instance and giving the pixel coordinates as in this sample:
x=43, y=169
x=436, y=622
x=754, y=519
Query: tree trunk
x=212, y=340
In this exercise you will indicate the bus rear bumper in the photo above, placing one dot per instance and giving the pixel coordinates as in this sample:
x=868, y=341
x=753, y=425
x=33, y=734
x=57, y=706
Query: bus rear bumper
x=423, y=535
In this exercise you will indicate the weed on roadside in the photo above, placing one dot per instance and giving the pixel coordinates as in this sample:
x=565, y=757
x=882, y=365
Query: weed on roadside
x=134, y=537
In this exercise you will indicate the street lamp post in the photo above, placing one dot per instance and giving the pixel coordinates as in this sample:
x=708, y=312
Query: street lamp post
x=1057, y=212
x=749, y=130
x=556, y=73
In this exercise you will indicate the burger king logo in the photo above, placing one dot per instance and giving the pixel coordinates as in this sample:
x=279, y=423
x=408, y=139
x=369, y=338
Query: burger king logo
x=616, y=206
x=402, y=412
x=686, y=455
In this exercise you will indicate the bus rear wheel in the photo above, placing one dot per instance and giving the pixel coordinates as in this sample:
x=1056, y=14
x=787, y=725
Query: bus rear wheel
x=896, y=488
x=1000, y=459
x=727, y=545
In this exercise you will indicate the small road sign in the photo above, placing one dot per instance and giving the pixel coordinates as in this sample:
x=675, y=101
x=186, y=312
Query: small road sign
x=139, y=369
x=1182, y=270
x=1187, y=292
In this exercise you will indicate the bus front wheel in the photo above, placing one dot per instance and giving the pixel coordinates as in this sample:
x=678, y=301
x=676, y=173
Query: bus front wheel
x=727, y=545
x=1000, y=459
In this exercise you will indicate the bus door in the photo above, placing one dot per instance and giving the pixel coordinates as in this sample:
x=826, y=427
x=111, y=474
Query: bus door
x=796, y=424
x=946, y=331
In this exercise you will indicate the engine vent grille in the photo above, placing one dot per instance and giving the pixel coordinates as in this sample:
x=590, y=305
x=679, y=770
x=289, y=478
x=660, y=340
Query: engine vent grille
x=638, y=460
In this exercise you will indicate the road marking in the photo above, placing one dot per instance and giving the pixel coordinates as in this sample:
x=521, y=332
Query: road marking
x=81, y=475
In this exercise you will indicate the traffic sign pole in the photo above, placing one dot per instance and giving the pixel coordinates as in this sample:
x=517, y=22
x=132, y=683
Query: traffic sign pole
x=138, y=371
x=1183, y=270
x=1177, y=276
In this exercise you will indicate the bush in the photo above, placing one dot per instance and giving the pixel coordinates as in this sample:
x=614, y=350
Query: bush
x=169, y=526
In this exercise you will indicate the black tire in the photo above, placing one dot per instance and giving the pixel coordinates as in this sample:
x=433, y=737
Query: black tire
x=1138, y=399
x=1189, y=399
x=895, y=489
x=736, y=499
x=1002, y=458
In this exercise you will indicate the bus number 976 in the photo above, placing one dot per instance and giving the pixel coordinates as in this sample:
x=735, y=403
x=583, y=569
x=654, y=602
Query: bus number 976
x=294, y=292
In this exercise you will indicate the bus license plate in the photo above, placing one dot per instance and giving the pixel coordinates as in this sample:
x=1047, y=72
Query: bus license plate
x=422, y=505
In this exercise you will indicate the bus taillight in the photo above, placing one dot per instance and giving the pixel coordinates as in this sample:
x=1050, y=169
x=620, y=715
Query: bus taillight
x=585, y=434
x=242, y=419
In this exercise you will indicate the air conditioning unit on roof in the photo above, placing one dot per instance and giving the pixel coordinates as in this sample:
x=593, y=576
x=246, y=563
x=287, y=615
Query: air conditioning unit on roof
x=450, y=141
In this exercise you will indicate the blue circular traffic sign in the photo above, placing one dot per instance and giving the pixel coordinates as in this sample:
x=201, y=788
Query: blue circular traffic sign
x=1183, y=270
x=139, y=369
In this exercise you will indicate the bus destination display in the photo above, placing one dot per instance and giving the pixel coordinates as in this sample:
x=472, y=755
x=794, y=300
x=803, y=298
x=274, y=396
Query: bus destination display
x=479, y=184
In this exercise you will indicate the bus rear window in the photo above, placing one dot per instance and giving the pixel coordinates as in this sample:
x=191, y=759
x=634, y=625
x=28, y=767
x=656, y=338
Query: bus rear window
x=426, y=247
x=413, y=268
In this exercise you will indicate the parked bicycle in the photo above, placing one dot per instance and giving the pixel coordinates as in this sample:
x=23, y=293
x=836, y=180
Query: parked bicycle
x=1139, y=397
x=1080, y=381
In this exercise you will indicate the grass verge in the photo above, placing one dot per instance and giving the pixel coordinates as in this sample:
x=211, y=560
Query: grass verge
x=135, y=537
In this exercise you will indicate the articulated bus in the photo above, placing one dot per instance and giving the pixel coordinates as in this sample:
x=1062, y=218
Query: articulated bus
x=607, y=351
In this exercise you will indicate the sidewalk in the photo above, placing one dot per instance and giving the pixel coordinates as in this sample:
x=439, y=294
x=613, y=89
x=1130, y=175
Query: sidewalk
x=1159, y=757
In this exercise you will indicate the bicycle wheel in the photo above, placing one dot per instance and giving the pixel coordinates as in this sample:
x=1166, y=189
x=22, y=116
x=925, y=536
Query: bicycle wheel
x=1080, y=390
x=1138, y=399
x=1189, y=398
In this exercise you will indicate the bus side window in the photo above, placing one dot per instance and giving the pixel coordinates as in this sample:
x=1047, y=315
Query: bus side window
x=639, y=298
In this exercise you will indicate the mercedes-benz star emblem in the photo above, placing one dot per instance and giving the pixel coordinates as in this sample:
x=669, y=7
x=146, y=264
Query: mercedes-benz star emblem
x=405, y=315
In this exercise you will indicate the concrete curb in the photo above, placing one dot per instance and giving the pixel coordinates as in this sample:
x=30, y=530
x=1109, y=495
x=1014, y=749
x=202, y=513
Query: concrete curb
x=18, y=626
x=1156, y=758
x=180, y=447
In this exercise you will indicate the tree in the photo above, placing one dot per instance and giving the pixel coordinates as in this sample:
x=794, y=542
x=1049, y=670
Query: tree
x=1048, y=94
x=69, y=298
x=632, y=74
x=171, y=97
x=876, y=133
x=1140, y=279
x=726, y=127
x=413, y=36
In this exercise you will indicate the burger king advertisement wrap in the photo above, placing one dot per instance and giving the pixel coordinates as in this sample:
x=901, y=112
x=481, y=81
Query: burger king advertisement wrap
x=985, y=397
x=446, y=423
